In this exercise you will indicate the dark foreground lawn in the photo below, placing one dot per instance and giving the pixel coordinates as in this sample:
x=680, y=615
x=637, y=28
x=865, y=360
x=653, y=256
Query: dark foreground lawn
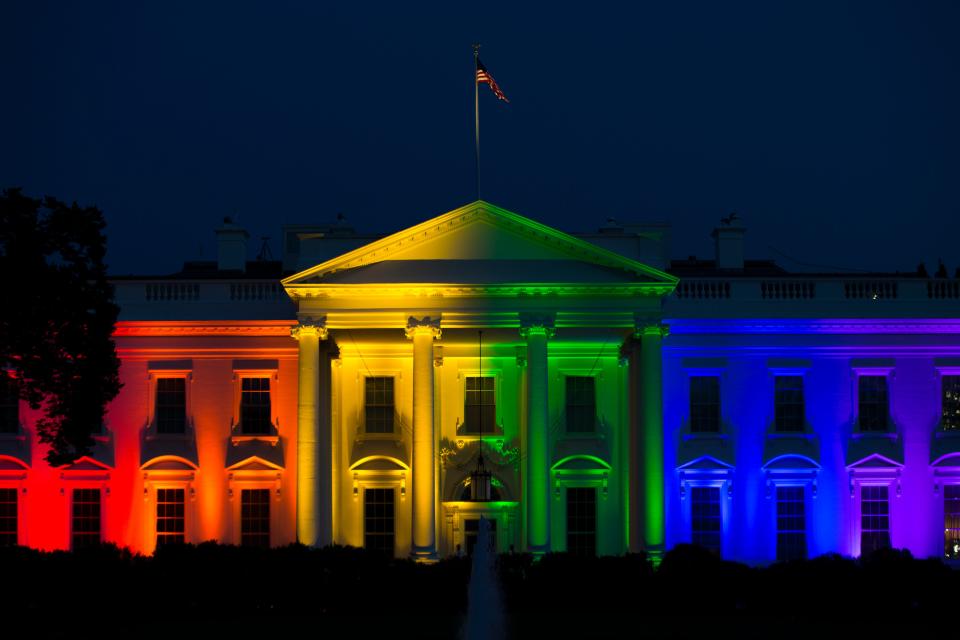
x=213, y=591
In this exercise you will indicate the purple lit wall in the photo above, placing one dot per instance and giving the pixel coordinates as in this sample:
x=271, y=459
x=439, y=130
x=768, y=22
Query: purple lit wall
x=833, y=458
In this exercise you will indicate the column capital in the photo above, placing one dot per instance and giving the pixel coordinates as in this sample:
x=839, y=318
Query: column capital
x=649, y=326
x=310, y=326
x=537, y=324
x=420, y=326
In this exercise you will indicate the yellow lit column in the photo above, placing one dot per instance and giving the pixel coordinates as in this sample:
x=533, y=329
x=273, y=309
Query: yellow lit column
x=537, y=331
x=308, y=333
x=423, y=332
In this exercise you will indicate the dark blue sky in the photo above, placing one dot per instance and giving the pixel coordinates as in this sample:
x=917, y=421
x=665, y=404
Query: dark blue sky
x=831, y=127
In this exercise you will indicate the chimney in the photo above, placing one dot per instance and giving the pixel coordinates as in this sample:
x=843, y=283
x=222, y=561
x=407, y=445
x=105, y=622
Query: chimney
x=729, y=242
x=231, y=246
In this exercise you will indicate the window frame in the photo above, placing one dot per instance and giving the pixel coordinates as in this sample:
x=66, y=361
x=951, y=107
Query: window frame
x=954, y=483
x=869, y=370
x=804, y=423
x=596, y=427
x=398, y=390
x=596, y=515
x=20, y=492
x=18, y=404
x=690, y=403
x=806, y=488
x=462, y=376
x=102, y=493
x=239, y=375
x=941, y=373
x=860, y=515
x=271, y=516
x=387, y=487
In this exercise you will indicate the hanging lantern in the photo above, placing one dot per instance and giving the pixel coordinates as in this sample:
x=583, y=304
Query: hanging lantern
x=481, y=483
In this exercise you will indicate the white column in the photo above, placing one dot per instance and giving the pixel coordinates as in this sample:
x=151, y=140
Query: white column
x=308, y=333
x=423, y=332
x=536, y=331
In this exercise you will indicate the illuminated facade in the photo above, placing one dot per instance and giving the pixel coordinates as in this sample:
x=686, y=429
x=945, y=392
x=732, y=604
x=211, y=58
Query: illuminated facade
x=620, y=401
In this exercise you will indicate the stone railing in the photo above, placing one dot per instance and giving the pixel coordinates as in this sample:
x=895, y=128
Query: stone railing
x=842, y=296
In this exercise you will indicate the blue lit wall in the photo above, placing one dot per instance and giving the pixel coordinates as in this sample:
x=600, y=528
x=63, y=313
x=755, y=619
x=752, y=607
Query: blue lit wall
x=746, y=361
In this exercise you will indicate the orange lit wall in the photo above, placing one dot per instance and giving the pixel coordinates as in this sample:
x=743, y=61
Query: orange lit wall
x=216, y=354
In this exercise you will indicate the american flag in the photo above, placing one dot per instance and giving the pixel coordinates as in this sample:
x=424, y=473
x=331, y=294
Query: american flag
x=484, y=76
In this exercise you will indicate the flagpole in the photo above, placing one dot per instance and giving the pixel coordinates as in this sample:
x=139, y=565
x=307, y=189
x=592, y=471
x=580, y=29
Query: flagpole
x=476, y=111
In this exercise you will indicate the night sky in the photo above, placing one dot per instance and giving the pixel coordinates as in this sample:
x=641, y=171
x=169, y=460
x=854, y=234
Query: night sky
x=833, y=128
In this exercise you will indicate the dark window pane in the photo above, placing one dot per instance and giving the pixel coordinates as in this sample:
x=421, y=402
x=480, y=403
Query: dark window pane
x=9, y=404
x=788, y=404
x=171, y=405
x=255, y=517
x=874, y=518
x=8, y=517
x=582, y=521
x=791, y=524
x=255, y=406
x=85, y=518
x=378, y=405
x=706, y=517
x=170, y=521
x=704, y=404
x=581, y=404
x=950, y=407
x=874, y=403
x=378, y=520
x=479, y=406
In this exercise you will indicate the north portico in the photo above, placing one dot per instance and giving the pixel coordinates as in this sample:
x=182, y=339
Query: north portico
x=396, y=401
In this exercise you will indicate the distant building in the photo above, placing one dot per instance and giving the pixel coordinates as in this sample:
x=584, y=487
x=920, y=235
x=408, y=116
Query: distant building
x=621, y=401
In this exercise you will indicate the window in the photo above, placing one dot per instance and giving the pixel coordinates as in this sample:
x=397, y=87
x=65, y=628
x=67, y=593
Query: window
x=581, y=404
x=255, y=517
x=378, y=405
x=479, y=403
x=255, y=406
x=704, y=404
x=951, y=521
x=788, y=404
x=471, y=532
x=950, y=405
x=791, y=524
x=874, y=518
x=582, y=521
x=705, y=517
x=9, y=405
x=171, y=405
x=873, y=402
x=378, y=520
x=8, y=517
x=170, y=521
x=86, y=518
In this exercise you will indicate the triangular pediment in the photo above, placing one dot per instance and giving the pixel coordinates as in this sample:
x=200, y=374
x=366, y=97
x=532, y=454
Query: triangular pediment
x=480, y=244
x=86, y=463
x=874, y=461
x=706, y=463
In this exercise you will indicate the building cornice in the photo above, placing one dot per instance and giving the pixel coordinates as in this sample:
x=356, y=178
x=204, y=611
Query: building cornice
x=167, y=328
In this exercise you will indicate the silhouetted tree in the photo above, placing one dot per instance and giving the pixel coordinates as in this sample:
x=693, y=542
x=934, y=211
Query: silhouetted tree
x=57, y=318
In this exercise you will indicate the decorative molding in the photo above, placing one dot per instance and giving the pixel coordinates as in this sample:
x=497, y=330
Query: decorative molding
x=800, y=326
x=299, y=284
x=538, y=324
x=444, y=290
x=310, y=326
x=167, y=328
x=425, y=325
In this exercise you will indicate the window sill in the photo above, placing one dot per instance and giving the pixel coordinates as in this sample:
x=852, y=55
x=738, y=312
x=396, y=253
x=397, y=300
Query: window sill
x=238, y=439
x=874, y=435
x=791, y=435
x=705, y=436
x=364, y=437
x=583, y=435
